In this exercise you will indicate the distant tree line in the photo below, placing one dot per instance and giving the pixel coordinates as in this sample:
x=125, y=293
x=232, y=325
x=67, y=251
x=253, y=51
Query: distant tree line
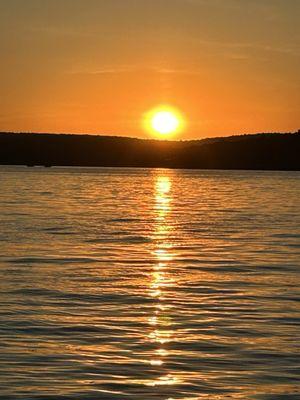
x=265, y=151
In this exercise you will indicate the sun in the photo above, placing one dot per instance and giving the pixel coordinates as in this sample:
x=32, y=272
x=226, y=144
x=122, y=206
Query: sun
x=164, y=121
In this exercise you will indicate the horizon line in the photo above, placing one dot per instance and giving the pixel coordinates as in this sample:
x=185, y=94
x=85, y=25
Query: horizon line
x=146, y=138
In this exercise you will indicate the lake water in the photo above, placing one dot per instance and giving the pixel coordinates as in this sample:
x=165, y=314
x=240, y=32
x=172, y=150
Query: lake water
x=148, y=284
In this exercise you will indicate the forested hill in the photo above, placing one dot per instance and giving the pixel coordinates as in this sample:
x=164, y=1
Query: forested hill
x=266, y=151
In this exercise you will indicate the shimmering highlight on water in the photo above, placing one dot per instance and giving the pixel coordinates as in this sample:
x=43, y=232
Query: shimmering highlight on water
x=149, y=284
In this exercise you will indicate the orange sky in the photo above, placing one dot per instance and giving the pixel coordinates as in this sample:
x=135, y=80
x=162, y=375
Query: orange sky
x=96, y=66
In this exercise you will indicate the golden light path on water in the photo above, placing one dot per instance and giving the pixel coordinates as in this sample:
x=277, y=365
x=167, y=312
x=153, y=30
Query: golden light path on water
x=160, y=322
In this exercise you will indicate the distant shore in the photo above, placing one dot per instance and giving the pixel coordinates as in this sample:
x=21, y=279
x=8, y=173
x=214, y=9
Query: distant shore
x=264, y=151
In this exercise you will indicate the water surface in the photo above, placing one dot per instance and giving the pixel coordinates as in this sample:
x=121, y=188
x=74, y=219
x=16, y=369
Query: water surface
x=149, y=284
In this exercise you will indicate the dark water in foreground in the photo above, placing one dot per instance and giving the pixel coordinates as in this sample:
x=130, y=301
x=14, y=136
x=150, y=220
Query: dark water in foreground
x=149, y=284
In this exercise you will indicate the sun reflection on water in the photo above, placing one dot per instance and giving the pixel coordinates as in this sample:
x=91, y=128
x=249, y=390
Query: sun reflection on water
x=161, y=333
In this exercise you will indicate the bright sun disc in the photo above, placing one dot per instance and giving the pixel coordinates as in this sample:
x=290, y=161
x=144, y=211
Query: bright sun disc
x=164, y=121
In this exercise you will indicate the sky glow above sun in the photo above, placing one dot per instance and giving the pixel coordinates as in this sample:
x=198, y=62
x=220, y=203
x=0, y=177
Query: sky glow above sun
x=164, y=121
x=96, y=66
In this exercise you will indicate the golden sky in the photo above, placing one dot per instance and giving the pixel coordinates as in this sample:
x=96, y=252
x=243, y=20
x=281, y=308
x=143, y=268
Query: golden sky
x=96, y=66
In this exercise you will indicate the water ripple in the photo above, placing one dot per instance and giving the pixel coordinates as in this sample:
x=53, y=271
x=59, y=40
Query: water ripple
x=149, y=284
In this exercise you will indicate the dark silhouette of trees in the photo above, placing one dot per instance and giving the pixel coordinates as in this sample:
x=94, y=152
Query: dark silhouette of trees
x=266, y=151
